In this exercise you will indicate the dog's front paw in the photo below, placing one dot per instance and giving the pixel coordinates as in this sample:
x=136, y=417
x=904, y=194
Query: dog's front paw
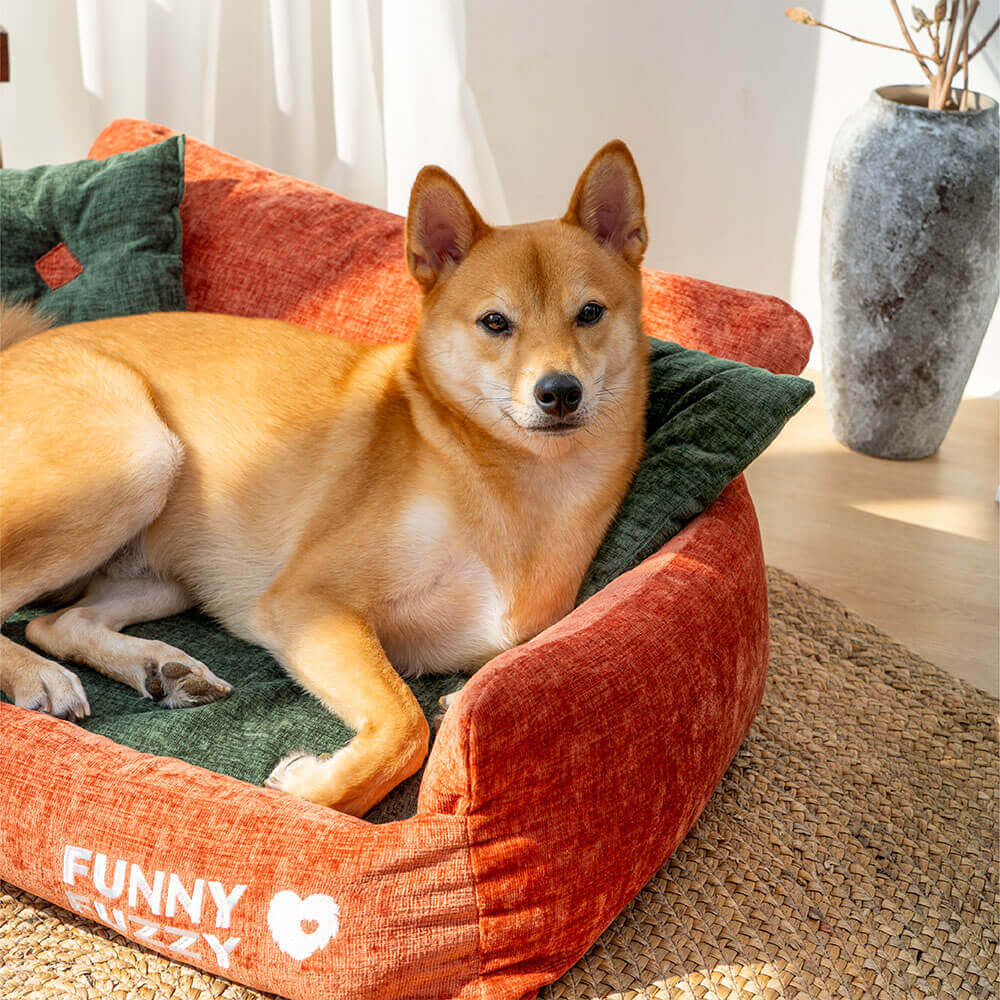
x=52, y=689
x=182, y=683
x=444, y=703
x=300, y=774
x=320, y=779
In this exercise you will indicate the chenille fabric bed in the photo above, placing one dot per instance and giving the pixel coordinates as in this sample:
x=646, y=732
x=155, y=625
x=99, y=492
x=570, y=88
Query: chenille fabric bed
x=560, y=780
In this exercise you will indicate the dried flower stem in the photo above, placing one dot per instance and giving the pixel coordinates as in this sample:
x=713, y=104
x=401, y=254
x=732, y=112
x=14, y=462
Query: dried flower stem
x=964, y=105
x=865, y=41
x=948, y=59
x=968, y=13
x=909, y=41
x=952, y=14
x=982, y=41
x=936, y=98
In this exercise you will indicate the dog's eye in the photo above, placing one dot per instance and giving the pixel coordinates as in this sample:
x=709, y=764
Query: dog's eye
x=590, y=314
x=494, y=322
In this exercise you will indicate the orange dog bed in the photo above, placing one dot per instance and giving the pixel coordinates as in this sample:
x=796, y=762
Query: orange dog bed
x=559, y=782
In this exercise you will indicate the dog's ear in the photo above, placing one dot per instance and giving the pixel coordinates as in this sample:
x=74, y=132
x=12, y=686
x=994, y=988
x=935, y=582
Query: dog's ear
x=608, y=202
x=441, y=227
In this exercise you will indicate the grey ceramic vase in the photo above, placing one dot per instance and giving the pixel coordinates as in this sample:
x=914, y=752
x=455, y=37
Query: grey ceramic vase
x=909, y=270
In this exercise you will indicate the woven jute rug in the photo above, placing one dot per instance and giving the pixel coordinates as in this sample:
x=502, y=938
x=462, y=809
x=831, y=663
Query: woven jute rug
x=850, y=851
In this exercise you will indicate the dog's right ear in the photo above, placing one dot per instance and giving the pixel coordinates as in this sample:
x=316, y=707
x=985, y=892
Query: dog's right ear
x=609, y=204
x=442, y=226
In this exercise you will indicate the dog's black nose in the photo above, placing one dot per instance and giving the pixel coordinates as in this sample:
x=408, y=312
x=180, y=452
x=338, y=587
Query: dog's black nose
x=558, y=393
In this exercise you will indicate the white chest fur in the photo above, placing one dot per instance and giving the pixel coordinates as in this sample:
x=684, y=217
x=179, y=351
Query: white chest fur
x=444, y=611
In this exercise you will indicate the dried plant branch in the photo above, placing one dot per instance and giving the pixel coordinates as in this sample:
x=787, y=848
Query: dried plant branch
x=940, y=13
x=801, y=16
x=937, y=96
x=935, y=32
x=964, y=104
x=918, y=55
x=982, y=41
x=969, y=12
x=948, y=58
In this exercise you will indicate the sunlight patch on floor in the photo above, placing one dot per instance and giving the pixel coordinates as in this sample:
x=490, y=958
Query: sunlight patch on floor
x=964, y=516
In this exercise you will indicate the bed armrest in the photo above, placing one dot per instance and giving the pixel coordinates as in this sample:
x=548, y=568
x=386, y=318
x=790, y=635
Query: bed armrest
x=746, y=326
x=257, y=243
x=605, y=735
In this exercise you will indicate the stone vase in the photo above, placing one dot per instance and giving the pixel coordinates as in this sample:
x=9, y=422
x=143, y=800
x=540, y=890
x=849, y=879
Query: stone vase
x=909, y=270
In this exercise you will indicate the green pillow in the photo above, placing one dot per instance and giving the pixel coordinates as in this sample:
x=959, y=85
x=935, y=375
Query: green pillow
x=707, y=420
x=95, y=238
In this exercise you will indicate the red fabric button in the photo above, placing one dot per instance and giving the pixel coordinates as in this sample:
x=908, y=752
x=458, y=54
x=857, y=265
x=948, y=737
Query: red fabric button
x=58, y=266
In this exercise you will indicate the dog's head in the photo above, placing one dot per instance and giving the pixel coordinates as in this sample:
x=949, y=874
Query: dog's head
x=533, y=331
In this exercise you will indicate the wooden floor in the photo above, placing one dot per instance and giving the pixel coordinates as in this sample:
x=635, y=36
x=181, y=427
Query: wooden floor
x=910, y=546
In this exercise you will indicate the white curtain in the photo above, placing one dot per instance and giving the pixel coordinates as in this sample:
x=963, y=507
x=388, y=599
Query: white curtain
x=427, y=112
x=353, y=94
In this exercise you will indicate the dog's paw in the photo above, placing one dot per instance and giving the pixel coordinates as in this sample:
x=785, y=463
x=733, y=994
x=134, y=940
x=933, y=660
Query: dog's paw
x=318, y=779
x=52, y=689
x=301, y=774
x=183, y=682
x=444, y=703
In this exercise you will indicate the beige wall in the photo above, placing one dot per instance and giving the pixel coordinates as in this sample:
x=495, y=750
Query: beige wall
x=729, y=108
x=713, y=99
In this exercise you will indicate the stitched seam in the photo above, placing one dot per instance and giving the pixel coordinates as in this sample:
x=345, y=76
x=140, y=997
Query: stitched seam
x=467, y=746
x=479, y=910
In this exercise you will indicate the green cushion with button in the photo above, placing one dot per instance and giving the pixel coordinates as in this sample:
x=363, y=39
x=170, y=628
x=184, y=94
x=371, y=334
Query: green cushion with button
x=95, y=238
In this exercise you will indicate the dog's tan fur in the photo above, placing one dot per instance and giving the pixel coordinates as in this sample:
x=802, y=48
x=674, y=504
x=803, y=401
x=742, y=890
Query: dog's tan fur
x=362, y=512
x=21, y=321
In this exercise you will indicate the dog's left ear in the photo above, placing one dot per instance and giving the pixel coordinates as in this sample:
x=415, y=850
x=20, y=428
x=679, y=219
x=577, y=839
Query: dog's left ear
x=608, y=202
x=442, y=226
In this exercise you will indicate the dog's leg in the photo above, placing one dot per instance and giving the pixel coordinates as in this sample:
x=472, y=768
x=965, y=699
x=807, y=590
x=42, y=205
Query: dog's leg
x=31, y=681
x=87, y=464
x=335, y=654
x=89, y=633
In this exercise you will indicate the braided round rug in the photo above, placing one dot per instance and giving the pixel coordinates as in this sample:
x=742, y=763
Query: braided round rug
x=850, y=851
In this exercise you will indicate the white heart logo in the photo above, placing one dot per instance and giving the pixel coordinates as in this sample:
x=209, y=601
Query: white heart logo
x=288, y=912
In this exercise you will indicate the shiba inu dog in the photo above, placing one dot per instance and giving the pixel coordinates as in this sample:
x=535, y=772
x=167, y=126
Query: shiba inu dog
x=363, y=512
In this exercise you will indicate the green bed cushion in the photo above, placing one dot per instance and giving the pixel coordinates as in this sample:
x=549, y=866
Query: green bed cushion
x=707, y=419
x=95, y=238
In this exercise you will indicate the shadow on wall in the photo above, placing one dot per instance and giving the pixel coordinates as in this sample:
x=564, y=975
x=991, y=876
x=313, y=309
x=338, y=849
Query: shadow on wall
x=714, y=103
